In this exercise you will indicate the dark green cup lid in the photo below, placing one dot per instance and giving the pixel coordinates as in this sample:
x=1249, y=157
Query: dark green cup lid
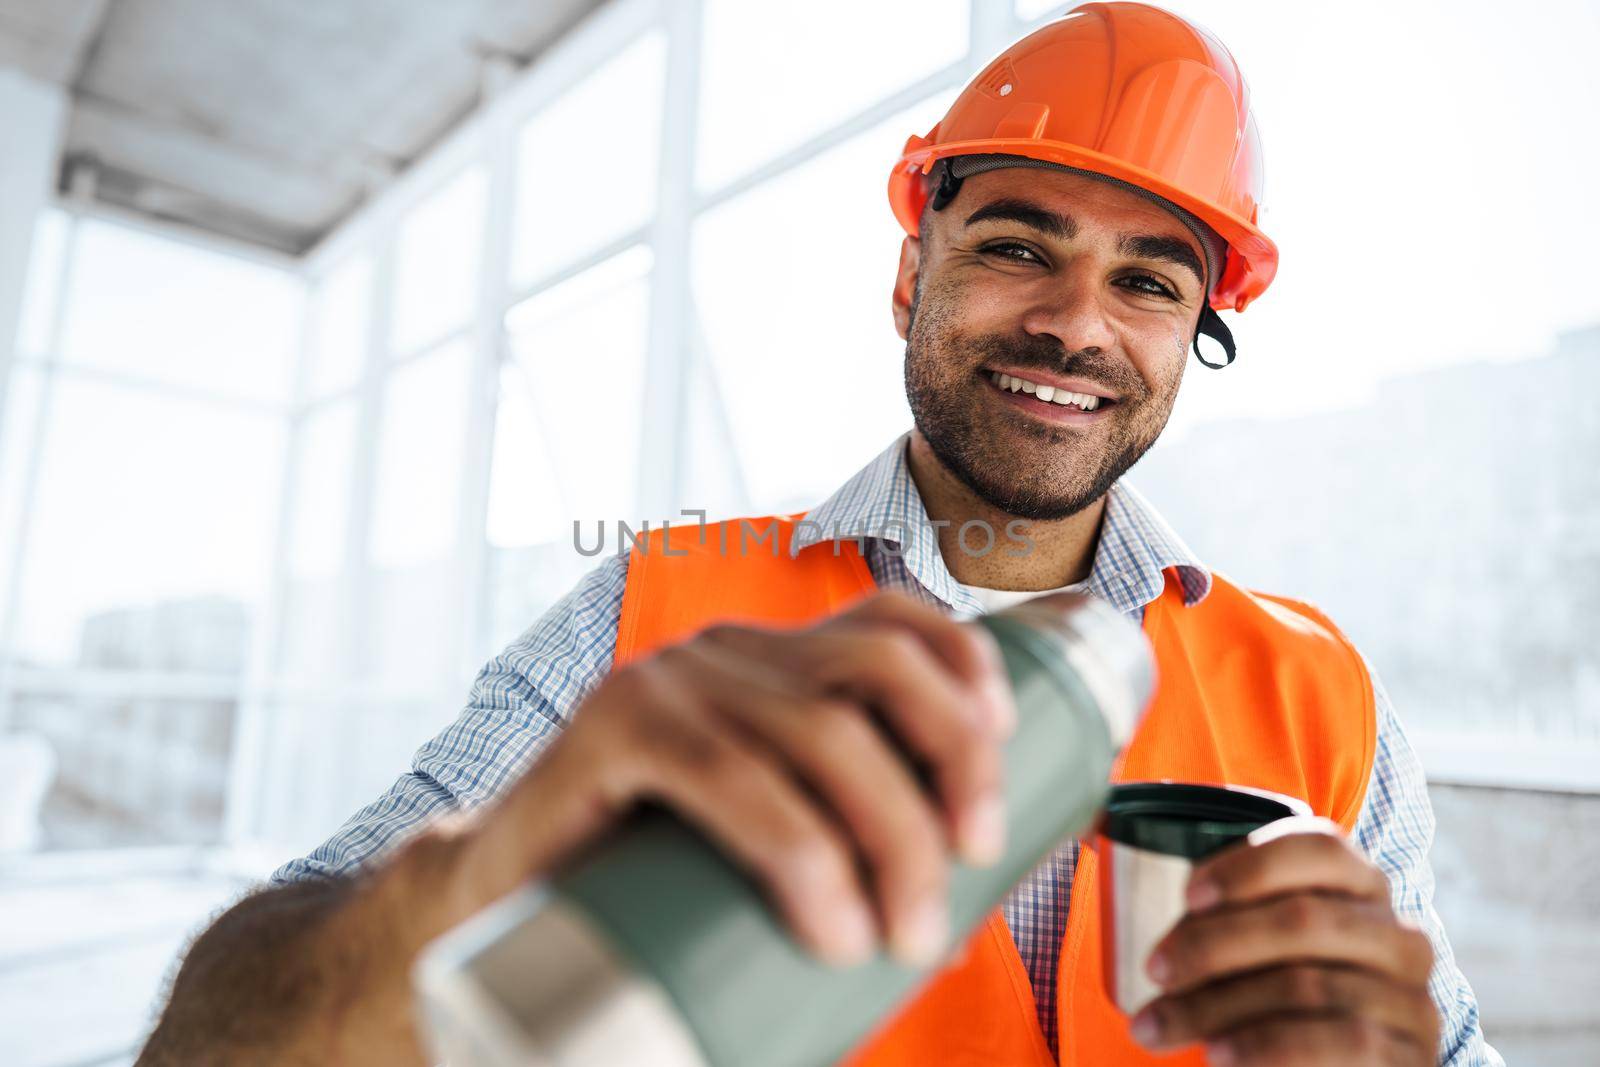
x=1192, y=821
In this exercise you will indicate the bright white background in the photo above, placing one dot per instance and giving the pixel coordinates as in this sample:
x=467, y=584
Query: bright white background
x=261, y=521
x=693, y=312
x=374, y=458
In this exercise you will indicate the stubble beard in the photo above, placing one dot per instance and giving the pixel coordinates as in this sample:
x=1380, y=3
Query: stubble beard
x=1058, y=471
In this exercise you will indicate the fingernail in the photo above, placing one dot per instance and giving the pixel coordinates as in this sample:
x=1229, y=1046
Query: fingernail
x=1159, y=969
x=1146, y=1028
x=1005, y=710
x=1219, y=1053
x=921, y=940
x=855, y=935
x=958, y=956
x=1202, y=894
x=983, y=832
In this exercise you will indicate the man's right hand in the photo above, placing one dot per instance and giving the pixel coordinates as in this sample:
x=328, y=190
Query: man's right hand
x=793, y=750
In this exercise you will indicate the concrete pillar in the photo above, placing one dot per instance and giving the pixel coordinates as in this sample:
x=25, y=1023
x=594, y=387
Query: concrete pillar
x=32, y=115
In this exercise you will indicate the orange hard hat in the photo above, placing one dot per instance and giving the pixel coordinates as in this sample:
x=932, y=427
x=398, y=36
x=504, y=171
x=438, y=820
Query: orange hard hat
x=1127, y=92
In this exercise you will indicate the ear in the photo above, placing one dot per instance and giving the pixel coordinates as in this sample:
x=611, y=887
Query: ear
x=905, y=284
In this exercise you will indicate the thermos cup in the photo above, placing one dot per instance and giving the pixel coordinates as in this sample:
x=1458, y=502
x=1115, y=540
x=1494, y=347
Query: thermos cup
x=1150, y=838
x=654, y=949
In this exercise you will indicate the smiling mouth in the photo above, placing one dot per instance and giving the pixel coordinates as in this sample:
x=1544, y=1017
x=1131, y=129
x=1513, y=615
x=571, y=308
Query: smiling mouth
x=1048, y=394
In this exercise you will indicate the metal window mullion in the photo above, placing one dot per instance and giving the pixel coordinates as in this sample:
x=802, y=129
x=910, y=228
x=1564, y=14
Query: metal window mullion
x=134, y=684
x=11, y=611
x=316, y=404
x=488, y=345
x=313, y=792
x=663, y=420
x=359, y=578
x=241, y=805
x=717, y=401
x=574, y=267
x=414, y=351
x=140, y=383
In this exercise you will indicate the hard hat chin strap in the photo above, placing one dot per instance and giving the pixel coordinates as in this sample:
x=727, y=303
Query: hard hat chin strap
x=1212, y=326
x=947, y=188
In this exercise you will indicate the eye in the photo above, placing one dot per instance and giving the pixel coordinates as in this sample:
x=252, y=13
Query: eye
x=1151, y=286
x=1012, y=250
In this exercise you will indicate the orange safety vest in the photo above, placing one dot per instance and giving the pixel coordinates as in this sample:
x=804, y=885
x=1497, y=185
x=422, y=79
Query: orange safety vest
x=1252, y=690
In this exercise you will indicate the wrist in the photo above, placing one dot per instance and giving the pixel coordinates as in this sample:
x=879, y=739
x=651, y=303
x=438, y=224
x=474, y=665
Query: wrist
x=416, y=895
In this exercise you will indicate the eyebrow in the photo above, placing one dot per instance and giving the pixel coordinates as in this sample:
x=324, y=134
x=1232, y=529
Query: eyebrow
x=1064, y=227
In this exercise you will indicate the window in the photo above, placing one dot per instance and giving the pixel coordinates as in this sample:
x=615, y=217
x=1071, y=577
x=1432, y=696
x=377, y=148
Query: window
x=771, y=81
x=195, y=318
x=41, y=296
x=151, y=511
x=569, y=204
x=1032, y=9
x=340, y=311
x=419, y=458
x=324, y=461
x=413, y=621
x=567, y=435
x=19, y=428
x=411, y=635
x=1406, y=438
x=436, y=262
x=714, y=475
x=313, y=643
x=151, y=771
x=792, y=281
x=586, y=381
x=144, y=411
x=312, y=636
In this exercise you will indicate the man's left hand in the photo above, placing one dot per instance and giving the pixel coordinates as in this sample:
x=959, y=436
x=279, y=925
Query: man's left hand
x=1291, y=954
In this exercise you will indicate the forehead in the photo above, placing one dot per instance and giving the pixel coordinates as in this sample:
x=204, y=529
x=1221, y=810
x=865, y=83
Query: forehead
x=1094, y=205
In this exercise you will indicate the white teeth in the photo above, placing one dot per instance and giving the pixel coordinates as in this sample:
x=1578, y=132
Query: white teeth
x=1048, y=393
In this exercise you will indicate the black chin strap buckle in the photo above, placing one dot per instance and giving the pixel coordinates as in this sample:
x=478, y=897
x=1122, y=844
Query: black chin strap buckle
x=947, y=188
x=1212, y=326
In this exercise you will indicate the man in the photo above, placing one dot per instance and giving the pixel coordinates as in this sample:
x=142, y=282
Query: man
x=1072, y=224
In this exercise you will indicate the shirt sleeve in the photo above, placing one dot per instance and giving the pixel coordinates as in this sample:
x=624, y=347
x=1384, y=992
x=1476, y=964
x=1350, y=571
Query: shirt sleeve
x=518, y=704
x=1395, y=830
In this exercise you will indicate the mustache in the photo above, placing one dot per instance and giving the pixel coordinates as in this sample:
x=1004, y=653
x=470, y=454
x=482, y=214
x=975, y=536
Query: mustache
x=1048, y=354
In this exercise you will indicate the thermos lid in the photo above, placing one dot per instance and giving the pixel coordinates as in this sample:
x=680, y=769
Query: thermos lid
x=1106, y=652
x=1188, y=820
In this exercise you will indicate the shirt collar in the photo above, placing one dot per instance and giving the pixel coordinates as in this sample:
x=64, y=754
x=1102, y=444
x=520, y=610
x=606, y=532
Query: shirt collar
x=880, y=507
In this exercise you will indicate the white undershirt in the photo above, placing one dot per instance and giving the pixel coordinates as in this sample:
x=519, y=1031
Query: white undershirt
x=995, y=599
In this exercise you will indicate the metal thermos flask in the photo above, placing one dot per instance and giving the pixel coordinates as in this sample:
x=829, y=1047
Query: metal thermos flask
x=652, y=948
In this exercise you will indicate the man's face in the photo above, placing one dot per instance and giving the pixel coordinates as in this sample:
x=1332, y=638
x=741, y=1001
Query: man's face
x=1058, y=280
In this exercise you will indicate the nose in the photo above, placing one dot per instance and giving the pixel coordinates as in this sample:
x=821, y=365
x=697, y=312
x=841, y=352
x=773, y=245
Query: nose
x=1071, y=308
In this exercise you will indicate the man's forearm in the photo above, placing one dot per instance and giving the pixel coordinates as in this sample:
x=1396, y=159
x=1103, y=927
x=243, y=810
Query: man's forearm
x=315, y=973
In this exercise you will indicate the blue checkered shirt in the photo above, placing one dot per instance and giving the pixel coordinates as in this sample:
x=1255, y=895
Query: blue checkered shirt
x=524, y=695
